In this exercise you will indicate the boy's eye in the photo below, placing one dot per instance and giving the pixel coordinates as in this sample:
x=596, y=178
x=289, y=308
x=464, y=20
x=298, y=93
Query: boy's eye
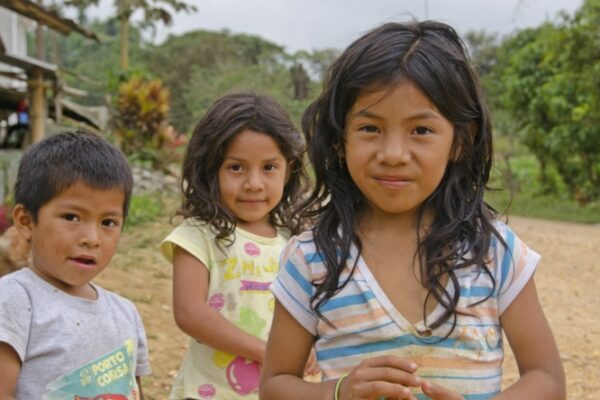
x=70, y=217
x=421, y=130
x=111, y=223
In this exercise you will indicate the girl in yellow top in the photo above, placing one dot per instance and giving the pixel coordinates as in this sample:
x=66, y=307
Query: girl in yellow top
x=242, y=175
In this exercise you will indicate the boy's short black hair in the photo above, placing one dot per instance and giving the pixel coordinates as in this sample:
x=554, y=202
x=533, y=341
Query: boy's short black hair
x=57, y=162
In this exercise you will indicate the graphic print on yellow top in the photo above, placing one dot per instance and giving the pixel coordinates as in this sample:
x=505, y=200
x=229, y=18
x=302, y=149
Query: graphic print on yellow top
x=240, y=276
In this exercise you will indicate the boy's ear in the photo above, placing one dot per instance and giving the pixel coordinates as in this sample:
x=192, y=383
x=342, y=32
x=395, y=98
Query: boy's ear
x=23, y=221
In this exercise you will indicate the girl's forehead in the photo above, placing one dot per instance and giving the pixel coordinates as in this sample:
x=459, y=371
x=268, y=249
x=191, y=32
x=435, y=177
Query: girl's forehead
x=251, y=143
x=402, y=91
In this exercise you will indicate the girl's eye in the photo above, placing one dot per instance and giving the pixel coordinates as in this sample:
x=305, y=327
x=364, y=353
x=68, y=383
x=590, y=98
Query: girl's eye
x=421, y=130
x=70, y=217
x=111, y=223
x=270, y=167
x=235, y=167
x=369, y=129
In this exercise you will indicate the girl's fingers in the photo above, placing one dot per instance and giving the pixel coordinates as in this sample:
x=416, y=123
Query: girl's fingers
x=404, y=364
x=380, y=390
x=437, y=392
x=387, y=374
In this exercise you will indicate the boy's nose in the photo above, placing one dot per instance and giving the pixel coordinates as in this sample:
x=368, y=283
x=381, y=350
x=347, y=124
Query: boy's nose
x=89, y=236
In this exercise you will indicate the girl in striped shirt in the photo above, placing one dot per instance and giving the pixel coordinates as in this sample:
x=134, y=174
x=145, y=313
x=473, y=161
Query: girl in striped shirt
x=407, y=280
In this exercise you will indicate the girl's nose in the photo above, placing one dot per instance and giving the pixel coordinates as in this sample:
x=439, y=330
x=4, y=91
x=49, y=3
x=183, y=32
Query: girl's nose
x=253, y=181
x=394, y=149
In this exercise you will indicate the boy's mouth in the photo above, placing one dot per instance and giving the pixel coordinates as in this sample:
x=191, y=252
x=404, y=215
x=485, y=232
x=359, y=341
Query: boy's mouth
x=85, y=260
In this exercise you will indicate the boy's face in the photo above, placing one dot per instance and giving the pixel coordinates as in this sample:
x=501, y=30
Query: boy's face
x=75, y=236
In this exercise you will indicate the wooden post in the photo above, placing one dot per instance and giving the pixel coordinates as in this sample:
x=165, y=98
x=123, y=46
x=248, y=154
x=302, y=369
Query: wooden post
x=37, y=107
x=58, y=83
x=58, y=111
x=40, y=52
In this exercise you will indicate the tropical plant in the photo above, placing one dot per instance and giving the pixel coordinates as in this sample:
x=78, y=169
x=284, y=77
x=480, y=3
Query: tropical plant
x=142, y=109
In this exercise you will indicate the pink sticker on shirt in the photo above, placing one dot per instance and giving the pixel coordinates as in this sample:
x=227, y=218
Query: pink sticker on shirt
x=216, y=301
x=251, y=249
x=243, y=375
x=207, y=391
x=255, y=286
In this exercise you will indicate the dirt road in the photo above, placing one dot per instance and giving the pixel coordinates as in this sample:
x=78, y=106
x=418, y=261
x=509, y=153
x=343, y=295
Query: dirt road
x=568, y=280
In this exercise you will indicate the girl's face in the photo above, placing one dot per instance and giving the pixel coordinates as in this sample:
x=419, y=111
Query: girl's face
x=397, y=148
x=251, y=180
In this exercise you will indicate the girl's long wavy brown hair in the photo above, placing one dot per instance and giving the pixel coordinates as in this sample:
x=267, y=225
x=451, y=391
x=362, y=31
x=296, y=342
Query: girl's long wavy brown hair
x=228, y=116
x=430, y=55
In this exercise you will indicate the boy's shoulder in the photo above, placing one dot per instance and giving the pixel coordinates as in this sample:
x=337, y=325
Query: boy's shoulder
x=16, y=288
x=115, y=299
x=24, y=280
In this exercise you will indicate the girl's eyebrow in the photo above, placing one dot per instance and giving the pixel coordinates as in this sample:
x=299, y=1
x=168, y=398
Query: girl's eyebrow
x=365, y=113
x=233, y=158
x=420, y=115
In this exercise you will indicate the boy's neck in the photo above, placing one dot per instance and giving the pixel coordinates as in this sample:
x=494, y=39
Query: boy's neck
x=86, y=291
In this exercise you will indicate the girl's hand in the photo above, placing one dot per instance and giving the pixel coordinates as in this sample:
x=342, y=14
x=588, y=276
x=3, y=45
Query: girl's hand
x=381, y=377
x=312, y=366
x=437, y=392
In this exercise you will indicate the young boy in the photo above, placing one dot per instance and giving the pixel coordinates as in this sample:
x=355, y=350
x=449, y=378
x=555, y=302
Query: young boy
x=61, y=336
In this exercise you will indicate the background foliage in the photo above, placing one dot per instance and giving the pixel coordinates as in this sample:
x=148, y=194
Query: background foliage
x=542, y=84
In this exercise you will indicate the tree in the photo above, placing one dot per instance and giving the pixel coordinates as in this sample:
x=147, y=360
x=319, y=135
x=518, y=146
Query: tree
x=154, y=11
x=482, y=47
x=200, y=66
x=547, y=78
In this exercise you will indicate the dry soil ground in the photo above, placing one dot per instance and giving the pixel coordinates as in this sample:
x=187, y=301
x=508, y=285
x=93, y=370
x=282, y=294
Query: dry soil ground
x=568, y=281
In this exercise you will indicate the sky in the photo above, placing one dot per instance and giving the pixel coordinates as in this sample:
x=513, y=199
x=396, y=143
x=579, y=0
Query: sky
x=318, y=24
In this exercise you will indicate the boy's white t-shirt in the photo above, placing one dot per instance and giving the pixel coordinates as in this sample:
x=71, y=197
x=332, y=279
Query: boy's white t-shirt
x=240, y=276
x=70, y=346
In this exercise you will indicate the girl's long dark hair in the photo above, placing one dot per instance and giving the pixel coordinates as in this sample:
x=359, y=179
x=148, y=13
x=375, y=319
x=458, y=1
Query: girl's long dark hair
x=228, y=116
x=430, y=55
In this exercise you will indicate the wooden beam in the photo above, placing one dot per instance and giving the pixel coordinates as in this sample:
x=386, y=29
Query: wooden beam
x=28, y=64
x=51, y=19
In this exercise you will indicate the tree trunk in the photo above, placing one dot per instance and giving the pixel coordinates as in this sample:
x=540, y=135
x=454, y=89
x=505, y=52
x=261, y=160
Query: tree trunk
x=124, y=42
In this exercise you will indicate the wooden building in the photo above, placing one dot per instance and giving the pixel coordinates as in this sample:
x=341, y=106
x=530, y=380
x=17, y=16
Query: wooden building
x=22, y=76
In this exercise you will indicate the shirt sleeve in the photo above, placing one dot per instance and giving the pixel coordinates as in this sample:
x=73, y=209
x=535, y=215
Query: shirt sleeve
x=15, y=315
x=194, y=237
x=293, y=286
x=515, y=265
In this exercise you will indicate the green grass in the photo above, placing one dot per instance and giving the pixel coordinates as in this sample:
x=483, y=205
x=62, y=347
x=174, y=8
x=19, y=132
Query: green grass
x=144, y=208
x=530, y=198
x=545, y=206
